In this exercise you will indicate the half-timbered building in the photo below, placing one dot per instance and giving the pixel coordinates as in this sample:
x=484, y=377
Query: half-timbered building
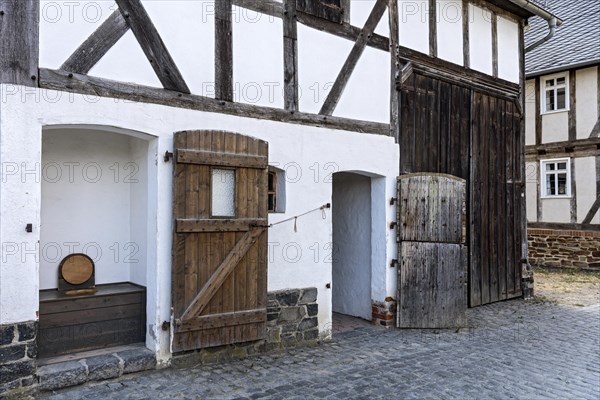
x=563, y=140
x=190, y=175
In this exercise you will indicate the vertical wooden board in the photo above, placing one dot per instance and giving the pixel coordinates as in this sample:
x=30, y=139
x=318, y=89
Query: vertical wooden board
x=465, y=134
x=407, y=135
x=519, y=198
x=263, y=239
x=19, y=38
x=223, y=51
x=493, y=195
x=252, y=263
x=475, y=209
x=501, y=146
x=192, y=199
x=447, y=129
x=485, y=209
x=433, y=123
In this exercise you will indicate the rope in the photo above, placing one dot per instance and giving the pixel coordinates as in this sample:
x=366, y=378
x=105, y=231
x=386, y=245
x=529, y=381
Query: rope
x=295, y=217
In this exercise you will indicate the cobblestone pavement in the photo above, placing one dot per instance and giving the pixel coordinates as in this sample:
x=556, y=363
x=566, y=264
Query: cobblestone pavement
x=513, y=350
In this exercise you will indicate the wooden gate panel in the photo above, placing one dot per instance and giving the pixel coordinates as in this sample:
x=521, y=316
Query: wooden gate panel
x=432, y=283
x=219, y=263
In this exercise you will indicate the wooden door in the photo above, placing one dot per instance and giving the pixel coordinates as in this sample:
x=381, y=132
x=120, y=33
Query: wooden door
x=219, y=276
x=432, y=278
x=450, y=128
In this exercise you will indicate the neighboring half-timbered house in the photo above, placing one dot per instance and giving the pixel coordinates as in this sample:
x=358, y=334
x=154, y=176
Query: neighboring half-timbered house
x=229, y=169
x=563, y=139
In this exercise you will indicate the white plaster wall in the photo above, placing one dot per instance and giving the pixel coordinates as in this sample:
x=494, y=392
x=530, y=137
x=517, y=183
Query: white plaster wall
x=530, y=112
x=414, y=24
x=480, y=39
x=450, y=31
x=257, y=58
x=136, y=174
x=508, y=50
x=555, y=127
x=305, y=150
x=531, y=185
x=585, y=178
x=586, y=85
x=351, y=270
x=556, y=210
x=360, y=11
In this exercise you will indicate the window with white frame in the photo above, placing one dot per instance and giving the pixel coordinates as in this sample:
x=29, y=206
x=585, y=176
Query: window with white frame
x=556, y=177
x=555, y=93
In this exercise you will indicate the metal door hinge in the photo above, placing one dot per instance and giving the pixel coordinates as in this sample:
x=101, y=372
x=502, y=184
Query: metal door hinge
x=168, y=156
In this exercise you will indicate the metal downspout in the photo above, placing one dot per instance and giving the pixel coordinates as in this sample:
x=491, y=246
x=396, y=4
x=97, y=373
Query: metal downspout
x=552, y=24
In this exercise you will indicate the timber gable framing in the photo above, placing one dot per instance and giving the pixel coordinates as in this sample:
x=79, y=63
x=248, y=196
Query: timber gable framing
x=131, y=15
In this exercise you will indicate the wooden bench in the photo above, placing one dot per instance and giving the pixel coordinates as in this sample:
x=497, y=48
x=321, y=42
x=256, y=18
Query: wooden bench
x=115, y=315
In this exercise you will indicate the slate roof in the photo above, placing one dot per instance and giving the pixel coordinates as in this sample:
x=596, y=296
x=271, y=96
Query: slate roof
x=576, y=42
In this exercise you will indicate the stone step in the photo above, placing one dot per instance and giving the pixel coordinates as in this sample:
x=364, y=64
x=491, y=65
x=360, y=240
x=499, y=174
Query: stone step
x=95, y=368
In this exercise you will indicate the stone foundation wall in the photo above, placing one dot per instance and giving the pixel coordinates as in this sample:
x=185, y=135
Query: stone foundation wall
x=291, y=321
x=384, y=312
x=18, y=352
x=568, y=249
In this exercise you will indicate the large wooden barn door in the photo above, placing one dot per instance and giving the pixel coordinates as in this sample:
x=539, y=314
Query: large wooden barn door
x=432, y=278
x=497, y=193
x=451, y=128
x=219, y=278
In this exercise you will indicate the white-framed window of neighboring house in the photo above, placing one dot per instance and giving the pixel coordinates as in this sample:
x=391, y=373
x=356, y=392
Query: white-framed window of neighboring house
x=556, y=178
x=555, y=93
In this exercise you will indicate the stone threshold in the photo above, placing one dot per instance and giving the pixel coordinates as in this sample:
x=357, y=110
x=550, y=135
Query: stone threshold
x=75, y=369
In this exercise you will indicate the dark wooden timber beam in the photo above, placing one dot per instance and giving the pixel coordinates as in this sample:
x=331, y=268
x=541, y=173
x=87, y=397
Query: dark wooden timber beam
x=395, y=93
x=575, y=148
x=433, y=50
x=19, y=41
x=146, y=34
x=97, y=45
x=592, y=213
x=290, y=56
x=223, y=51
x=494, y=18
x=76, y=83
x=359, y=46
x=466, y=43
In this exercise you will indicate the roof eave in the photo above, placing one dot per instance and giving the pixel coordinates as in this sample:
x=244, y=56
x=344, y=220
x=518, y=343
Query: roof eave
x=548, y=71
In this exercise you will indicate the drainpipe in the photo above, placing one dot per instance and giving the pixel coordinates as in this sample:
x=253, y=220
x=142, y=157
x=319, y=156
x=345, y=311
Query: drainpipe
x=553, y=22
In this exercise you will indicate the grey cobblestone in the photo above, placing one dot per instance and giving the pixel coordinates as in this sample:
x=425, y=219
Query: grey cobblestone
x=512, y=350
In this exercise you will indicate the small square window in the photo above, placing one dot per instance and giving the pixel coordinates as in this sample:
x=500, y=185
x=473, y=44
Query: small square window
x=556, y=178
x=555, y=93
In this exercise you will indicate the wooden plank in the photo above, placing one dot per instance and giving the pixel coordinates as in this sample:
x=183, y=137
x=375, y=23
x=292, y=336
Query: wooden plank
x=493, y=221
x=223, y=51
x=502, y=233
x=97, y=44
x=219, y=225
x=149, y=39
x=222, y=320
x=359, y=46
x=475, y=208
x=90, y=302
x=19, y=42
x=484, y=227
x=192, y=211
x=222, y=159
x=290, y=56
x=78, y=317
x=77, y=83
x=564, y=226
x=224, y=269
